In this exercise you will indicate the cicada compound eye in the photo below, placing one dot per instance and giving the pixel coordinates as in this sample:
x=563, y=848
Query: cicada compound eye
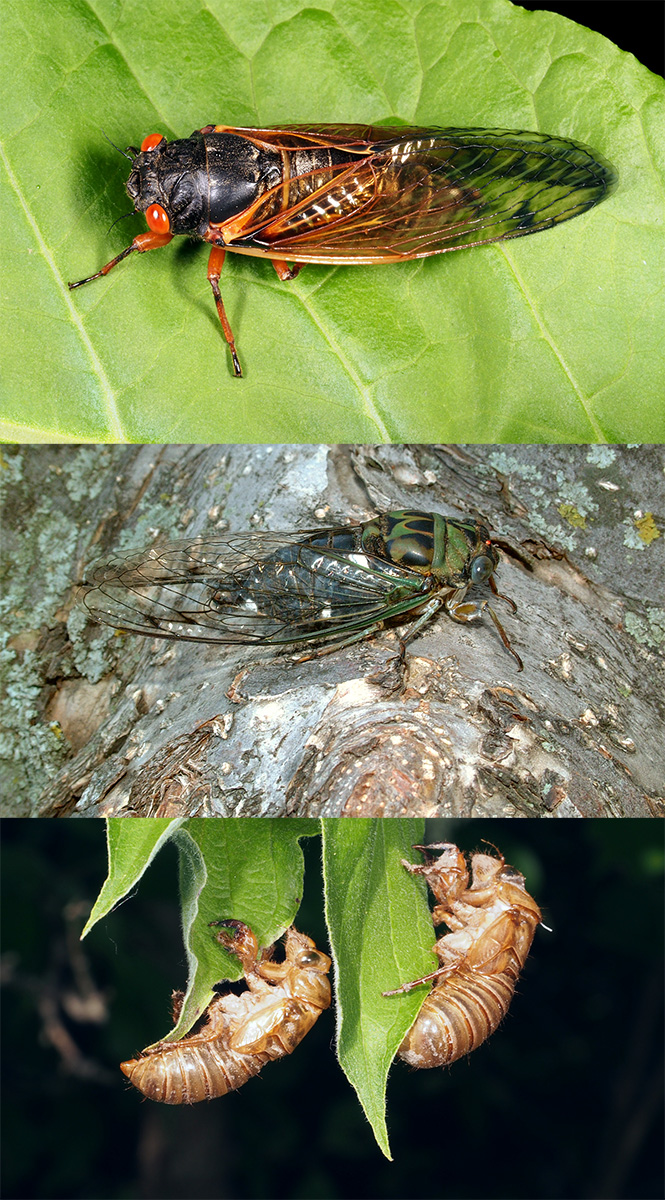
x=481, y=568
x=157, y=219
x=152, y=141
x=309, y=958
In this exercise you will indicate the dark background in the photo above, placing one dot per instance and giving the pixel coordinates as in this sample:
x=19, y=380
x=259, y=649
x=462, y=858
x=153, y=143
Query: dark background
x=634, y=25
x=564, y=1101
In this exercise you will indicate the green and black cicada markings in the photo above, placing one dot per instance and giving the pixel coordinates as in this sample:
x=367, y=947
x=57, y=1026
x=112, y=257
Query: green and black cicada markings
x=353, y=194
x=321, y=588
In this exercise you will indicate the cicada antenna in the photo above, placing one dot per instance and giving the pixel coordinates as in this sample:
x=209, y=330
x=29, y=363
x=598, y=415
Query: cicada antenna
x=488, y=843
x=122, y=218
x=123, y=152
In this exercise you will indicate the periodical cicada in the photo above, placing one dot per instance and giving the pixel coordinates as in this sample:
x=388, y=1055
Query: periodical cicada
x=353, y=193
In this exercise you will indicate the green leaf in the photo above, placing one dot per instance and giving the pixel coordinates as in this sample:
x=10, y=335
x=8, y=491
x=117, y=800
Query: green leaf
x=252, y=869
x=248, y=868
x=132, y=845
x=381, y=936
x=555, y=337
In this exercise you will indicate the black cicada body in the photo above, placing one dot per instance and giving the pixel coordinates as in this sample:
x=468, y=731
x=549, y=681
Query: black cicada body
x=328, y=586
x=354, y=193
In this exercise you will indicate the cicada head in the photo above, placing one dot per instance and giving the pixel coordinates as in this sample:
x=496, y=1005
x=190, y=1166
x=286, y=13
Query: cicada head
x=464, y=554
x=169, y=183
x=310, y=967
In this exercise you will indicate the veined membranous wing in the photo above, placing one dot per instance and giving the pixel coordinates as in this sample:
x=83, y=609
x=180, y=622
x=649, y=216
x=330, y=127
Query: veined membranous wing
x=274, y=588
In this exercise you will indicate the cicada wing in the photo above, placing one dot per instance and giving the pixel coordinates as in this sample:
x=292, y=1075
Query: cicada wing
x=273, y=588
x=254, y=1033
x=167, y=590
x=427, y=191
x=356, y=138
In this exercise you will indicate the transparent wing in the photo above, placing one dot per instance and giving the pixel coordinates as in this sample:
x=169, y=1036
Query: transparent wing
x=424, y=191
x=273, y=588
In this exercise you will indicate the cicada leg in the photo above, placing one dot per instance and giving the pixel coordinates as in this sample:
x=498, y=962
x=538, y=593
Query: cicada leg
x=466, y=610
x=408, y=987
x=238, y=938
x=358, y=636
x=285, y=271
x=215, y=264
x=428, y=612
x=142, y=242
x=176, y=1006
x=500, y=596
x=431, y=607
x=472, y=610
x=503, y=635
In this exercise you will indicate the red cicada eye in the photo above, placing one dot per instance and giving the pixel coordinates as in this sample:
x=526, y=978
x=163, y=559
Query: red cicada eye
x=152, y=140
x=157, y=219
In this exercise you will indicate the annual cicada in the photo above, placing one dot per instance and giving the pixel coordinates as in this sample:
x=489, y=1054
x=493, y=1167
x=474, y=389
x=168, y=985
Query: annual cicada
x=492, y=920
x=240, y=1034
x=328, y=586
x=353, y=193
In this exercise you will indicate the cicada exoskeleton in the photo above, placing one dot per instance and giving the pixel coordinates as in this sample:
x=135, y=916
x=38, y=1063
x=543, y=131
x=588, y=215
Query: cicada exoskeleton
x=353, y=194
x=327, y=586
x=240, y=1034
x=492, y=921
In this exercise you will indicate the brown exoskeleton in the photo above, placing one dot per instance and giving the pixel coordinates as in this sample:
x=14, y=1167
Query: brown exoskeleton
x=492, y=923
x=240, y=1033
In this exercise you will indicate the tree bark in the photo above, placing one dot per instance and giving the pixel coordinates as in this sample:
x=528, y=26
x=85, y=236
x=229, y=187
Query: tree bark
x=101, y=723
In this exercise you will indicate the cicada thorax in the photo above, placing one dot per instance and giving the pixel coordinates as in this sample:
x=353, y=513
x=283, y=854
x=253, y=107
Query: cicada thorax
x=202, y=182
x=199, y=180
x=453, y=553
x=492, y=925
x=240, y=1033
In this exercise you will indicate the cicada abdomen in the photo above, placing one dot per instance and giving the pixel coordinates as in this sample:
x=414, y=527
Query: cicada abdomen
x=240, y=1034
x=492, y=922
